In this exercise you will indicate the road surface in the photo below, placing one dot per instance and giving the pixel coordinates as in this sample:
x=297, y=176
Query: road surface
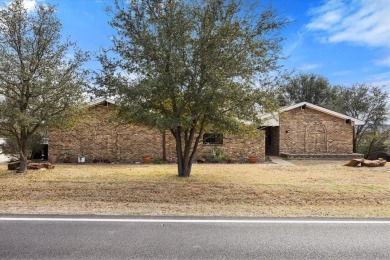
x=89, y=237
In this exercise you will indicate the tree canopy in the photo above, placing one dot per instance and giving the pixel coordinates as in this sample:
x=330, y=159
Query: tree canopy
x=187, y=66
x=311, y=88
x=365, y=102
x=40, y=75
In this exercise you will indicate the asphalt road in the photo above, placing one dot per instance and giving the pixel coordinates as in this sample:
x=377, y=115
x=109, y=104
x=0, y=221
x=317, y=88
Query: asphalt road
x=89, y=237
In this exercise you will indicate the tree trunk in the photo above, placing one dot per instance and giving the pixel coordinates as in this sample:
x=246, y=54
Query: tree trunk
x=184, y=168
x=164, y=146
x=22, y=155
x=354, y=140
x=370, y=148
x=190, y=145
x=23, y=162
x=184, y=162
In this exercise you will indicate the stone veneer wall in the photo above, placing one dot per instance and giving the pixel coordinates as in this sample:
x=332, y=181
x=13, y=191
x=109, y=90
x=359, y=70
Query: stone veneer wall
x=100, y=137
x=308, y=131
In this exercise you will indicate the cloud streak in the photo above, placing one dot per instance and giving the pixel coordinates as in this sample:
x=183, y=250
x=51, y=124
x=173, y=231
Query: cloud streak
x=307, y=67
x=354, y=21
x=383, y=62
x=381, y=79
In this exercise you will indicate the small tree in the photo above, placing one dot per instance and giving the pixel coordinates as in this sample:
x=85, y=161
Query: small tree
x=38, y=79
x=194, y=64
x=374, y=143
x=365, y=102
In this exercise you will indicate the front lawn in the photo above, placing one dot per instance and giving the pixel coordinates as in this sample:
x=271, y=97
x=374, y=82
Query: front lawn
x=307, y=189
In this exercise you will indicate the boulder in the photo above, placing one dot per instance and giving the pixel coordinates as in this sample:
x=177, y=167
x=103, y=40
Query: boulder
x=367, y=163
x=375, y=163
x=13, y=165
x=354, y=162
x=37, y=166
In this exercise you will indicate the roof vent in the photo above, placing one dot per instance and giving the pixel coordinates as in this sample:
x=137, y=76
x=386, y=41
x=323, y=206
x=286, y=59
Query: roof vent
x=348, y=121
x=303, y=106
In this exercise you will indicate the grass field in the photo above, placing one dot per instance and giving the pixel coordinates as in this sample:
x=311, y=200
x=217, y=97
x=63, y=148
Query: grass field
x=310, y=188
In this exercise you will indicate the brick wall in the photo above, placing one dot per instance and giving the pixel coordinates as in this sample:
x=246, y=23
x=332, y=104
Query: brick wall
x=101, y=137
x=308, y=131
x=239, y=147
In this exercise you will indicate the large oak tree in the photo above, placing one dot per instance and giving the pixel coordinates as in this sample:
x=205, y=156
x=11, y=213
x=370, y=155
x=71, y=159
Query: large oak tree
x=187, y=66
x=40, y=76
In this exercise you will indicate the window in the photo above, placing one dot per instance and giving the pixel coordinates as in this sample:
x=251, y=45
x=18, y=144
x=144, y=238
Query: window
x=212, y=138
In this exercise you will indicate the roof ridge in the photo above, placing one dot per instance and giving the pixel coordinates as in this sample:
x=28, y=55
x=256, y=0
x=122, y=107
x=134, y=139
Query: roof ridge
x=310, y=105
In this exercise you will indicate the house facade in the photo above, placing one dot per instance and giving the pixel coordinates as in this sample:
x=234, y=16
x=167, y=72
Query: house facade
x=301, y=130
x=101, y=138
x=305, y=130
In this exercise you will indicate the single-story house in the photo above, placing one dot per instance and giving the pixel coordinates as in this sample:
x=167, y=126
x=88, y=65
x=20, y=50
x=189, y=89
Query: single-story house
x=303, y=129
x=102, y=138
x=307, y=130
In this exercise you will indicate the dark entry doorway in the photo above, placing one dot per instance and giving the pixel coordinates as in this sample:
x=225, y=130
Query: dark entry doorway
x=272, y=140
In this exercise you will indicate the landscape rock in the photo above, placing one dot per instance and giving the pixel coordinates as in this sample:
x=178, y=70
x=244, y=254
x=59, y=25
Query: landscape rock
x=15, y=165
x=30, y=166
x=367, y=163
x=37, y=166
x=375, y=163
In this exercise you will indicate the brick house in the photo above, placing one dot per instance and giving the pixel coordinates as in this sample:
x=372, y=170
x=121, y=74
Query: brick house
x=307, y=130
x=300, y=130
x=99, y=137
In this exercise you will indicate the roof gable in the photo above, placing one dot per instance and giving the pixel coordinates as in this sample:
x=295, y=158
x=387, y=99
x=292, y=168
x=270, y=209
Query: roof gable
x=272, y=119
x=100, y=101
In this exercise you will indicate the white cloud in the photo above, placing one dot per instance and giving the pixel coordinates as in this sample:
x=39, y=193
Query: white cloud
x=307, y=67
x=362, y=22
x=29, y=4
x=383, y=62
x=327, y=15
x=381, y=76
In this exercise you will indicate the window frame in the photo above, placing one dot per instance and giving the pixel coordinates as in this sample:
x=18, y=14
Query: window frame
x=213, y=139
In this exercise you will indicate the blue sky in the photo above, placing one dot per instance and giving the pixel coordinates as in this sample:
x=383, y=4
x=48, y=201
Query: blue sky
x=347, y=41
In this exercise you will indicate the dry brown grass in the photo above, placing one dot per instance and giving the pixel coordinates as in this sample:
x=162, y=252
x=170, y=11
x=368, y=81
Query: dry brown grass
x=310, y=188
